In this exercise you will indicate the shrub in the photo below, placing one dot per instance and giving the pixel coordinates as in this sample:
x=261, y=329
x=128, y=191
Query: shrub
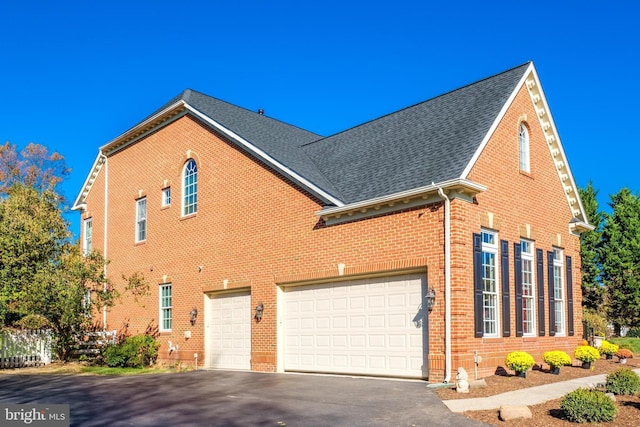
x=519, y=361
x=588, y=405
x=633, y=333
x=624, y=353
x=556, y=358
x=586, y=353
x=134, y=352
x=608, y=348
x=623, y=382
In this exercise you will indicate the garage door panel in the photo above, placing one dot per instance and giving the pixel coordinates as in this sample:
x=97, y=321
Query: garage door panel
x=368, y=330
x=230, y=331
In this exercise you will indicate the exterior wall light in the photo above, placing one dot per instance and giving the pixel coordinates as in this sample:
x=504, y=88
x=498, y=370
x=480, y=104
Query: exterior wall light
x=259, y=310
x=431, y=299
x=193, y=315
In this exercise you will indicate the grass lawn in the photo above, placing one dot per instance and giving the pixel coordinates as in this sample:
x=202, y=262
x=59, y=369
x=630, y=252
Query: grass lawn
x=632, y=344
x=75, y=368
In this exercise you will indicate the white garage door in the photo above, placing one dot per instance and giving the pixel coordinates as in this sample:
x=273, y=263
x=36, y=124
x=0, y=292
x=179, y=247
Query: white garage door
x=370, y=326
x=230, y=331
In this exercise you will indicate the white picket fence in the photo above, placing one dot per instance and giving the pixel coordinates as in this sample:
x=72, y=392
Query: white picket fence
x=19, y=349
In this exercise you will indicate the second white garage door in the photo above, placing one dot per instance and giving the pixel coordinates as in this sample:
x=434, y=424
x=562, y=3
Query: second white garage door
x=229, y=334
x=370, y=326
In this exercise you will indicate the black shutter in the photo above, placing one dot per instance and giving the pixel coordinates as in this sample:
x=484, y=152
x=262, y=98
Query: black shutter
x=477, y=285
x=569, y=297
x=517, y=268
x=506, y=303
x=540, y=277
x=552, y=301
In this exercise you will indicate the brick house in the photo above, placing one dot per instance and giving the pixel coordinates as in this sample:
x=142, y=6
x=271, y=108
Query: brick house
x=406, y=246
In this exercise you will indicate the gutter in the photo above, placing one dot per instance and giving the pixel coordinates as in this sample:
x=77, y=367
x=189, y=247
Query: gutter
x=106, y=232
x=447, y=285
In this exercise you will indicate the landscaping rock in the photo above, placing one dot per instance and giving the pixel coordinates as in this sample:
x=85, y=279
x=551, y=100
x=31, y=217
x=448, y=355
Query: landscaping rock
x=512, y=412
x=612, y=396
x=481, y=383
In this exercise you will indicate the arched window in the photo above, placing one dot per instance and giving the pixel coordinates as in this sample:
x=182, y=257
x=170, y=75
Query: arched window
x=190, y=188
x=524, y=149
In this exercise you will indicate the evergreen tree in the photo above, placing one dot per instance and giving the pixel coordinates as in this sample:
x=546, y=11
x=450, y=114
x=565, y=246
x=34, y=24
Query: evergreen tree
x=592, y=289
x=620, y=258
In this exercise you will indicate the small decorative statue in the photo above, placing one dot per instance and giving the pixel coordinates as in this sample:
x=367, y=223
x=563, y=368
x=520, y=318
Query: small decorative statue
x=462, y=381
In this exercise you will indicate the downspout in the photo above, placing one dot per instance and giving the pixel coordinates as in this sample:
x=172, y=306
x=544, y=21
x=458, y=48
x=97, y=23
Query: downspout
x=447, y=285
x=104, y=249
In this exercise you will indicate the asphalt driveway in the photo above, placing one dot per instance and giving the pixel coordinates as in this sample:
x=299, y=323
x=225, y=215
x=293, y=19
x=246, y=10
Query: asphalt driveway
x=225, y=398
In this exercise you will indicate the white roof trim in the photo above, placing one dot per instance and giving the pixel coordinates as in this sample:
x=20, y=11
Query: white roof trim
x=555, y=146
x=79, y=203
x=495, y=124
x=462, y=185
x=532, y=82
x=267, y=158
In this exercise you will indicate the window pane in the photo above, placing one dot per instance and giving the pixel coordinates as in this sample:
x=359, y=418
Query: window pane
x=190, y=190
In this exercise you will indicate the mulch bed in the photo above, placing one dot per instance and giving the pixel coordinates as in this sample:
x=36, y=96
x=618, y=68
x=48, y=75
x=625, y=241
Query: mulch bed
x=548, y=413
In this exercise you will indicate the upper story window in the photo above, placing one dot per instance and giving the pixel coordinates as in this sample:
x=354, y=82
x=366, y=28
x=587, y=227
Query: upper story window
x=490, y=283
x=141, y=219
x=558, y=290
x=87, y=237
x=528, y=289
x=190, y=188
x=166, y=197
x=525, y=164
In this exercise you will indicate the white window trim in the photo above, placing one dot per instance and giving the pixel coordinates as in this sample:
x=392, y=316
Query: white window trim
x=166, y=191
x=529, y=256
x=558, y=284
x=491, y=248
x=87, y=236
x=524, y=147
x=140, y=219
x=184, y=190
x=161, y=308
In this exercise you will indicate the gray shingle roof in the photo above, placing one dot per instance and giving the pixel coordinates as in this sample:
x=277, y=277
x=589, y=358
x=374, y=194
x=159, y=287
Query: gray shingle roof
x=279, y=140
x=432, y=141
x=429, y=142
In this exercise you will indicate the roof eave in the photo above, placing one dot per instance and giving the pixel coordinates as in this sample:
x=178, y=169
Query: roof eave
x=455, y=188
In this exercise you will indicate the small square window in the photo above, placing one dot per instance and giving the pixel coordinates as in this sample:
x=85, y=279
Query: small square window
x=166, y=197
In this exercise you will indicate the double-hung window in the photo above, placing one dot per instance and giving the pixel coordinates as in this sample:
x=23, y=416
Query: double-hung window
x=87, y=236
x=490, y=283
x=166, y=305
x=141, y=219
x=558, y=291
x=190, y=188
x=528, y=296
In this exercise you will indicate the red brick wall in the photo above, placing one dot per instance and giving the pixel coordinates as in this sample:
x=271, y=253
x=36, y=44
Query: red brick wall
x=255, y=228
x=515, y=199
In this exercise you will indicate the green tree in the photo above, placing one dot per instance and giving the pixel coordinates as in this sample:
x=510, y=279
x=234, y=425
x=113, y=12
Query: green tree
x=620, y=258
x=592, y=289
x=45, y=280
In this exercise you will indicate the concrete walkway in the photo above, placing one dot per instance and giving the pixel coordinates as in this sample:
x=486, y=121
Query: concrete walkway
x=526, y=396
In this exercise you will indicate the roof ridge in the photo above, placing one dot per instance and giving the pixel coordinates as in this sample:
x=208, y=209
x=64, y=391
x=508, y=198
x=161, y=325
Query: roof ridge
x=421, y=102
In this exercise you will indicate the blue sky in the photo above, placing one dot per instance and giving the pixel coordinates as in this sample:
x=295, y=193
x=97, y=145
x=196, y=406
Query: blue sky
x=76, y=74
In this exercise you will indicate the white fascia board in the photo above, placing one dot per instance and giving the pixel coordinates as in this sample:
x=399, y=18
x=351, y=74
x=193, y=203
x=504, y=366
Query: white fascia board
x=470, y=186
x=79, y=203
x=495, y=123
x=264, y=156
x=108, y=147
x=555, y=133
